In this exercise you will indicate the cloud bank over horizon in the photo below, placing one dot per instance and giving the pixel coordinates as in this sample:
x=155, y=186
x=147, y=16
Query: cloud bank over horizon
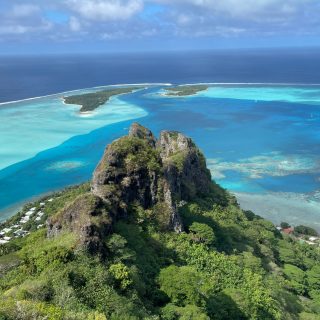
x=69, y=21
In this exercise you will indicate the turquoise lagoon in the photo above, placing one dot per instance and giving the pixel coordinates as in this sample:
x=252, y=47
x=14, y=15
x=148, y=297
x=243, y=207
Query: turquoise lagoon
x=262, y=143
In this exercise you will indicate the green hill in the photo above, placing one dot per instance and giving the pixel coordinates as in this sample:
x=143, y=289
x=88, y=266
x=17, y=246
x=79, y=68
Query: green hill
x=153, y=237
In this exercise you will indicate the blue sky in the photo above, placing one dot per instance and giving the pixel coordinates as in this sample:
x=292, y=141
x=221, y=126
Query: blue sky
x=38, y=26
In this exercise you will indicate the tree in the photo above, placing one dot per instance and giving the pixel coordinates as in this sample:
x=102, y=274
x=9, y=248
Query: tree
x=314, y=278
x=181, y=284
x=202, y=233
x=288, y=253
x=189, y=312
x=222, y=306
x=308, y=316
x=296, y=277
x=285, y=225
x=121, y=274
x=306, y=231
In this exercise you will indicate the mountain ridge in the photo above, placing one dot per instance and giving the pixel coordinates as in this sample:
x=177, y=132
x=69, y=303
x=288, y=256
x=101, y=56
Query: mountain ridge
x=137, y=169
x=152, y=237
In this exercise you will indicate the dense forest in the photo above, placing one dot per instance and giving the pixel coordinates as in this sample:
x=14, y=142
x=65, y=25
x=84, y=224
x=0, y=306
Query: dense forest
x=187, y=90
x=134, y=260
x=93, y=100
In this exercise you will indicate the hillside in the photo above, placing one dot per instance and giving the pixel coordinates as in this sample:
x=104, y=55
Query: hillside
x=153, y=237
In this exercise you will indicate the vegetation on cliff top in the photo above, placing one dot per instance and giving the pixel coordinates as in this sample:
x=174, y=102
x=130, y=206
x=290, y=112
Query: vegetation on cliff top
x=226, y=264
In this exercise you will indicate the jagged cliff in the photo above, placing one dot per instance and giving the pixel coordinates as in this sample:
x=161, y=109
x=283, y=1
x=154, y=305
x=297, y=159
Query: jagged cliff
x=139, y=170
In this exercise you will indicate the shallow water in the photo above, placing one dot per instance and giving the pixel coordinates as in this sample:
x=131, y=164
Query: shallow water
x=31, y=126
x=260, y=141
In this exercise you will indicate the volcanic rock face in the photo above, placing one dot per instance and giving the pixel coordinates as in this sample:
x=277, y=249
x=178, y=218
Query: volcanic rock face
x=87, y=217
x=138, y=131
x=184, y=166
x=138, y=170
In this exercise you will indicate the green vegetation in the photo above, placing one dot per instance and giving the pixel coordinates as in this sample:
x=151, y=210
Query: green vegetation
x=91, y=101
x=285, y=225
x=228, y=264
x=178, y=159
x=136, y=154
x=305, y=231
x=185, y=90
x=97, y=262
x=202, y=233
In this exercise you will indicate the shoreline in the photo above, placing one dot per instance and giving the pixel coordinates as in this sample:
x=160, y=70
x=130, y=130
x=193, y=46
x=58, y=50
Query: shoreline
x=168, y=84
x=87, y=88
x=291, y=207
x=89, y=113
x=92, y=112
x=254, y=83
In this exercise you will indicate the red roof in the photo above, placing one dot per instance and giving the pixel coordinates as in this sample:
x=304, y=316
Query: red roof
x=288, y=230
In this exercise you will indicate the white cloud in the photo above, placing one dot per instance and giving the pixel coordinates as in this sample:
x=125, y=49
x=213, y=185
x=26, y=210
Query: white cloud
x=23, y=19
x=114, y=19
x=20, y=29
x=13, y=29
x=184, y=19
x=234, y=18
x=24, y=10
x=74, y=24
x=244, y=9
x=106, y=10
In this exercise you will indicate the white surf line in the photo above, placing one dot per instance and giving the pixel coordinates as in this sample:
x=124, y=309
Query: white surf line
x=132, y=84
x=164, y=84
x=77, y=90
x=252, y=83
x=28, y=99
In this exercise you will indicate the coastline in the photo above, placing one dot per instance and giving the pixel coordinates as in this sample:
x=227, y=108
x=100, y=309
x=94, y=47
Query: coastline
x=152, y=89
x=58, y=94
x=114, y=111
x=254, y=83
x=294, y=208
x=167, y=95
x=92, y=112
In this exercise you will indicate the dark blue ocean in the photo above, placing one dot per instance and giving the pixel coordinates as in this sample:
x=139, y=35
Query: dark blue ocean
x=23, y=77
x=259, y=129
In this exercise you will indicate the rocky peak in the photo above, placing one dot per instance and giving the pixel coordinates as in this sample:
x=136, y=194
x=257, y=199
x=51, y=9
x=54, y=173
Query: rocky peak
x=138, y=131
x=139, y=170
x=171, y=142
